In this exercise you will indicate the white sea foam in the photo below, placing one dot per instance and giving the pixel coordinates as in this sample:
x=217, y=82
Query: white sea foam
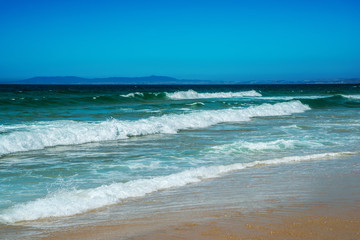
x=287, y=98
x=139, y=165
x=351, y=96
x=130, y=94
x=65, y=132
x=140, y=94
x=196, y=104
x=250, y=147
x=291, y=126
x=191, y=94
x=67, y=203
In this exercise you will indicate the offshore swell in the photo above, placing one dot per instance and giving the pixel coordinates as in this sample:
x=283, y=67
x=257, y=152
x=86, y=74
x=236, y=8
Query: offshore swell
x=85, y=148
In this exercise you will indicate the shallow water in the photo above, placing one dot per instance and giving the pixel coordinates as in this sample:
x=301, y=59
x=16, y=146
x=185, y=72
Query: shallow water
x=67, y=150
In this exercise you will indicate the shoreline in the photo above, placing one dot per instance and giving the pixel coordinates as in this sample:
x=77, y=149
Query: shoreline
x=314, y=223
x=317, y=222
x=261, y=203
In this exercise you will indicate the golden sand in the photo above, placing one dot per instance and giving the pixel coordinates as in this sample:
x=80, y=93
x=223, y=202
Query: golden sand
x=324, y=206
x=318, y=222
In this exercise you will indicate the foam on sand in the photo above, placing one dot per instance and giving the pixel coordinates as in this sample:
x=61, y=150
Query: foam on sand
x=71, y=202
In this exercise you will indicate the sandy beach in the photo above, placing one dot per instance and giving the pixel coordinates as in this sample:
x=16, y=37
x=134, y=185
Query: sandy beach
x=174, y=120
x=292, y=201
x=315, y=223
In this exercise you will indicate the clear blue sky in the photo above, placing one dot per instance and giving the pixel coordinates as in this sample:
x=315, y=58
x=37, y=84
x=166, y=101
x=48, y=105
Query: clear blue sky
x=224, y=39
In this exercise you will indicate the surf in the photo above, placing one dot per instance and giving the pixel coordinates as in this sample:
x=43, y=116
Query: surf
x=39, y=135
x=71, y=202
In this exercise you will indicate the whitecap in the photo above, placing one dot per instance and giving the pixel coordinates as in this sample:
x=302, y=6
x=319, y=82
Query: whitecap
x=351, y=96
x=191, y=94
x=67, y=132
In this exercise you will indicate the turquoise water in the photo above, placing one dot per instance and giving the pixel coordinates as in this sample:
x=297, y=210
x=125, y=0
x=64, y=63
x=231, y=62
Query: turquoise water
x=67, y=150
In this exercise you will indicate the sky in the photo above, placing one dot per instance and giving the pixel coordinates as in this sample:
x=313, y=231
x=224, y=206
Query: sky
x=198, y=39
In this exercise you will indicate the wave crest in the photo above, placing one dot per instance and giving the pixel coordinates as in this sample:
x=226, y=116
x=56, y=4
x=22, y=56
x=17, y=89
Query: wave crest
x=351, y=96
x=49, y=134
x=191, y=94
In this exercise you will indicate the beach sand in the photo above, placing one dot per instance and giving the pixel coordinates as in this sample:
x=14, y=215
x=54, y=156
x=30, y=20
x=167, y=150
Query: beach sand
x=307, y=200
x=315, y=223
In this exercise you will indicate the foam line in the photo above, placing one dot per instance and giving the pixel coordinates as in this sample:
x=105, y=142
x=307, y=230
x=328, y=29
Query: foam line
x=191, y=94
x=68, y=203
x=48, y=134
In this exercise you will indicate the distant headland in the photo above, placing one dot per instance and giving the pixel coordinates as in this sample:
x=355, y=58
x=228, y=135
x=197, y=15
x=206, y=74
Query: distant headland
x=163, y=80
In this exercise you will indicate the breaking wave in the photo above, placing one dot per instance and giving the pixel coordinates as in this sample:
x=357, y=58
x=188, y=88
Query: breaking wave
x=191, y=94
x=67, y=132
x=351, y=96
x=71, y=202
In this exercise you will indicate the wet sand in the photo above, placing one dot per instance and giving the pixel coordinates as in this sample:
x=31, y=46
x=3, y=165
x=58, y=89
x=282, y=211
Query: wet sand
x=304, y=200
x=321, y=222
x=306, y=224
x=312, y=200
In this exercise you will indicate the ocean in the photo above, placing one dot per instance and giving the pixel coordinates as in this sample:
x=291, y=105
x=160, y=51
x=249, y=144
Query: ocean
x=67, y=151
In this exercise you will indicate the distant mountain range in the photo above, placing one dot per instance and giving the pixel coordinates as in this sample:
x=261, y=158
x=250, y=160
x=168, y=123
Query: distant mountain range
x=163, y=80
x=110, y=80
